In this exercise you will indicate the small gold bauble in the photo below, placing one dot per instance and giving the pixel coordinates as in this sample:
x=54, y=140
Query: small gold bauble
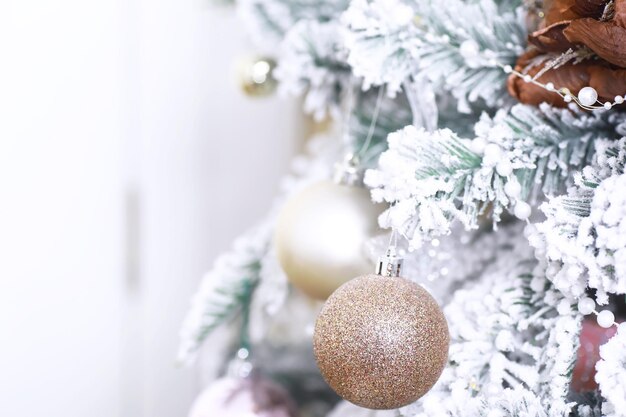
x=320, y=236
x=257, y=77
x=381, y=342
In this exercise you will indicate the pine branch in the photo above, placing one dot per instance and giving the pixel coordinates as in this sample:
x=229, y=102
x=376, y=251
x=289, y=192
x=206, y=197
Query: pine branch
x=381, y=38
x=610, y=375
x=582, y=237
x=435, y=178
x=455, y=43
x=462, y=41
x=225, y=293
x=514, y=341
x=312, y=63
x=270, y=20
x=553, y=142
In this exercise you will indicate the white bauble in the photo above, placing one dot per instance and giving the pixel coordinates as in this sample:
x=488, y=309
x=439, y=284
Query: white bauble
x=321, y=234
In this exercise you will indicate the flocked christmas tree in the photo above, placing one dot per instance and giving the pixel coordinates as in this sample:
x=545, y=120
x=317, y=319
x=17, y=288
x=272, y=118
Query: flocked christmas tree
x=478, y=149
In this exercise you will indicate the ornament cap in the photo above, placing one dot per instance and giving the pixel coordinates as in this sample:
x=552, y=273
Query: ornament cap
x=348, y=172
x=389, y=265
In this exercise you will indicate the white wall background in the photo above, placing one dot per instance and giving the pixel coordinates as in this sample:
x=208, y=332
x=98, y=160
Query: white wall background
x=128, y=160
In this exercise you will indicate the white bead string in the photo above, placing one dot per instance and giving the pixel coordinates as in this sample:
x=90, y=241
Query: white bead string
x=586, y=99
x=469, y=49
x=605, y=318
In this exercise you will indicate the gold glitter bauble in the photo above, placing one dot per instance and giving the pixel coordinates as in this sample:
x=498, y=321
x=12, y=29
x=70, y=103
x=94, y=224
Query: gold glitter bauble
x=257, y=77
x=381, y=342
x=320, y=236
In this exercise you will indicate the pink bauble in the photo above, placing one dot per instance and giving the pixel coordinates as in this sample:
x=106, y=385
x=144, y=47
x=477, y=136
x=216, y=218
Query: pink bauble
x=592, y=337
x=253, y=396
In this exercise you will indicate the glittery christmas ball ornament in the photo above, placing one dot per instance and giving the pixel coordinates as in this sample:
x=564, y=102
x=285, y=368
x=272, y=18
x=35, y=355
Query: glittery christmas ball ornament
x=253, y=396
x=381, y=342
x=321, y=234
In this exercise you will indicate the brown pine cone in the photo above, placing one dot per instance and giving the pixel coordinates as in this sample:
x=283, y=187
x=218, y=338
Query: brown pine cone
x=572, y=24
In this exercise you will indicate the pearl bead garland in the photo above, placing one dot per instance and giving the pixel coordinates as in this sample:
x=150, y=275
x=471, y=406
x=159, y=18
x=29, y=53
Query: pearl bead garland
x=492, y=154
x=513, y=188
x=504, y=168
x=606, y=319
x=522, y=210
x=586, y=305
x=474, y=56
x=587, y=97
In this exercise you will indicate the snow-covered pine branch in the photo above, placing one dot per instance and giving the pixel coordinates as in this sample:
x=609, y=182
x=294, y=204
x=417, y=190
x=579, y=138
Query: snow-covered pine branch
x=424, y=173
x=225, y=291
x=514, y=340
x=435, y=178
x=455, y=43
x=268, y=21
x=611, y=374
x=584, y=235
x=381, y=38
x=312, y=63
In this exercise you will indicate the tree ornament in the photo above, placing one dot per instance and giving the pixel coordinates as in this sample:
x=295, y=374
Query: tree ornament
x=606, y=319
x=588, y=96
x=592, y=337
x=586, y=305
x=257, y=77
x=320, y=235
x=522, y=210
x=381, y=342
x=252, y=396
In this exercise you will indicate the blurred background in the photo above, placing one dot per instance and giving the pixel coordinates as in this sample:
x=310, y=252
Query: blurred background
x=125, y=142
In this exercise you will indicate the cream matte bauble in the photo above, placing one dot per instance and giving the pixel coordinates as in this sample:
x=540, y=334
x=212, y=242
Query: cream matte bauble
x=320, y=236
x=381, y=342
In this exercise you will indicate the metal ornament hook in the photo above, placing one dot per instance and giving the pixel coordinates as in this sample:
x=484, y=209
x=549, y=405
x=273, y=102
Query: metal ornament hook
x=389, y=265
x=348, y=172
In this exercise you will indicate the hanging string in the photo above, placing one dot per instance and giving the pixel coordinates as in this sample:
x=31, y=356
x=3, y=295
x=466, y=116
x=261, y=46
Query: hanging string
x=393, y=237
x=349, y=108
x=372, y=127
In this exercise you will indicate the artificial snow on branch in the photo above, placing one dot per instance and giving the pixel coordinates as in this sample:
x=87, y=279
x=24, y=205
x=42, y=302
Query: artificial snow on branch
x=437, y=177
x=225, y=291
x=381, y=39
x=312, y=62
x=423, y=173
x=447, y=263
x=268, y=21
x=514, y=340
x=584, y=235
x=457, y=44
x=611, y=375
